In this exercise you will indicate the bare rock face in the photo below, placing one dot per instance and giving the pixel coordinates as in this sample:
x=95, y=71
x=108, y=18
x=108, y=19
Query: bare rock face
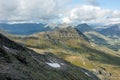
x=102, y=73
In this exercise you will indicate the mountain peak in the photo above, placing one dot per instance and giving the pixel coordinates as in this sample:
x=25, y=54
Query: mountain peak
x=84, y=27
x=84, y=24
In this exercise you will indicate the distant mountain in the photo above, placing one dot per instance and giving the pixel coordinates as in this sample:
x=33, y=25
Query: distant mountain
x=108, y=36
x=84, y=28
x=20, y=63
x=112, y=31
x=25, y=28
x=92, y=34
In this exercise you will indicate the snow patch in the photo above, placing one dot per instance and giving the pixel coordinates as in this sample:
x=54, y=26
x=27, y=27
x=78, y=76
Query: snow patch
x=86, y=73
x=54, y=65
x=62, y=63
x=6, y=47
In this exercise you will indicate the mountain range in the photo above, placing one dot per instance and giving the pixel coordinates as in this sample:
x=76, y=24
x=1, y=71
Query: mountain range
x=105, y=36
x=24, y=29
x=112, y=31
x=81, y=46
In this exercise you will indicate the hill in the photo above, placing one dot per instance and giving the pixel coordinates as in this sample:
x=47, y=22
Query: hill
x=20, y=63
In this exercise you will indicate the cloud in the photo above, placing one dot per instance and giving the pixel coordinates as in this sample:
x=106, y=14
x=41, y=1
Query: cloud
x=32, y=10
x=56, y=11
x=7, y=8
x=92, y=14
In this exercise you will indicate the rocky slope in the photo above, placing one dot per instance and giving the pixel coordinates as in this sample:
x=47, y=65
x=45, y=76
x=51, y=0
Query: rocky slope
x=20, y=63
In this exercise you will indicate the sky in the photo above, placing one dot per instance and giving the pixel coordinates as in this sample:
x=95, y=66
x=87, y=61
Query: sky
x=60, y=11
x=106, y=4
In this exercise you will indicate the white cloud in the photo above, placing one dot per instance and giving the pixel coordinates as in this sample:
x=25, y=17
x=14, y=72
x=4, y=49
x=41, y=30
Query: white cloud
x=92, y=14
x=32, y=10
x=56, y=11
